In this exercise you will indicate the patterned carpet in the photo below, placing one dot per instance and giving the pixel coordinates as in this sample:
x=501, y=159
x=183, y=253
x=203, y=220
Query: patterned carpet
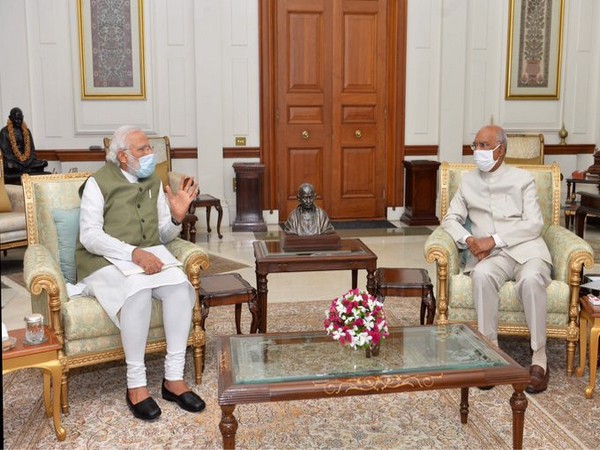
x=559, y=418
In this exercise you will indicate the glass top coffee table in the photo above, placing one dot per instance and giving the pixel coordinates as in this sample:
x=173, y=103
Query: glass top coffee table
x=302, y=365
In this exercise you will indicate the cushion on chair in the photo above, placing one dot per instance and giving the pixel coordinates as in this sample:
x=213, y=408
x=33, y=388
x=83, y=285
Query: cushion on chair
x=162, y=170
x=67, y=229
x=5, y=205
x=510, y=310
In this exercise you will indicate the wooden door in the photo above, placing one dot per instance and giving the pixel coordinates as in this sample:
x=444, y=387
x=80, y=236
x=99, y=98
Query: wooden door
x=330, y=75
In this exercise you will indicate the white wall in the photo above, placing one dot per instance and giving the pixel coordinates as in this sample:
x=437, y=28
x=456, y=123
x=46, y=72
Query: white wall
x=202, y=77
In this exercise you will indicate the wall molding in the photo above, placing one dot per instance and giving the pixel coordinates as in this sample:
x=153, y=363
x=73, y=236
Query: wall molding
x=241, y=152
x=85, y=155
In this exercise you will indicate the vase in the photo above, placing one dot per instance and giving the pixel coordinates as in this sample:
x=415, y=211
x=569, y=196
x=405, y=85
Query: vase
x=372, y=351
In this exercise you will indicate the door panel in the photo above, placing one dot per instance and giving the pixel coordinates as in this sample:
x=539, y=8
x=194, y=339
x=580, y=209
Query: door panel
x=330, y=114
x=359, y=69
x=303, y=98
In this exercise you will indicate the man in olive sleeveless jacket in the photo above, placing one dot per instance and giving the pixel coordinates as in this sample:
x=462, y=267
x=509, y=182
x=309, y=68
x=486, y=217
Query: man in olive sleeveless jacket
x=124, y=212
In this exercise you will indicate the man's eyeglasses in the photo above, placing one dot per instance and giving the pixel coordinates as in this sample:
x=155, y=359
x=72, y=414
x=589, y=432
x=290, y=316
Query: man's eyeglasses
x=482, y=146
x=145, y=149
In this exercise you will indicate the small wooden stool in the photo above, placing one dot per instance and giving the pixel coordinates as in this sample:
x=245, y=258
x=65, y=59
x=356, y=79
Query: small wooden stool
x=589, y=323
x=229, y=289
x=407, y=283
x=202, y=201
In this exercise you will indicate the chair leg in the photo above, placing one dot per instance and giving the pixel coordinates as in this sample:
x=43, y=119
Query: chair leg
x=253, y=307
x=238, y=318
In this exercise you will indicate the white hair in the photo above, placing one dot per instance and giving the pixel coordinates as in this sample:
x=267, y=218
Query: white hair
x=119, y=141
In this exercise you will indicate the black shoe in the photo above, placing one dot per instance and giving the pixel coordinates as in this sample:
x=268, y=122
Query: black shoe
x=485, y=388
x=188, y=400
x=147, y=409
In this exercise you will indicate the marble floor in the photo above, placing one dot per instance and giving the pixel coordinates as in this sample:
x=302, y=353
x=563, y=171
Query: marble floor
x=400, y=247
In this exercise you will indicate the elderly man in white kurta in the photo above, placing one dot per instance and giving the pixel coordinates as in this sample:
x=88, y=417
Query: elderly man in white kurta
x=124, y=210
x=503, y=243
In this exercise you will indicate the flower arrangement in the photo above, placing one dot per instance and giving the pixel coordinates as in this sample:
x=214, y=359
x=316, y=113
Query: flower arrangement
x=356, y=319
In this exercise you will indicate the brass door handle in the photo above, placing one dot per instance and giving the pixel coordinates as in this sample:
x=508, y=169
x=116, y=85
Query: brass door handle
x=305, y=134
x=358, y=134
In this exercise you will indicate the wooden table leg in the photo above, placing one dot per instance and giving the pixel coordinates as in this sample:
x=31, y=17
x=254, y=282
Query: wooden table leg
x=583, y=332
x=371, y=284
x=464, y=404
x=594, y=335
x=354, y=278
x=228, y=426
x=219, y=219
x=518, y=403
x=261, y=292
x=52, y=379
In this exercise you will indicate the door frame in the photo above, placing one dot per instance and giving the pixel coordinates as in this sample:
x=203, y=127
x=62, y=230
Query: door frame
x=396, y=96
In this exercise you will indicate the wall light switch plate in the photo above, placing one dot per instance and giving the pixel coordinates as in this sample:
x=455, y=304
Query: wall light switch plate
x=240, y=140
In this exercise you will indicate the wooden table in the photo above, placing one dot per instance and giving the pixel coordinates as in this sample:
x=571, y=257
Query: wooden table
x=271, y=258
x=589, y=204
x=308, y=365
x=207, y=201
x=407, y=282
x=589, y=318
x=42, y=356
x=572, y=203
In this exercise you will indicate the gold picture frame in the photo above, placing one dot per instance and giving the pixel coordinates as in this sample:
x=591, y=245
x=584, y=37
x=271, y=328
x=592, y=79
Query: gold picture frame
x=111, y=50
x=534, y=49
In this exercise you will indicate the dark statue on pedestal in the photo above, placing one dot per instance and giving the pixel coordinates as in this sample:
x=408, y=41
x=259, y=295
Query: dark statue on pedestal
x=18, y=149
x=308, y=219
x=308, y=226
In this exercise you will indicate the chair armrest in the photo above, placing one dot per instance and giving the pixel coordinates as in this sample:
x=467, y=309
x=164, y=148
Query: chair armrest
x=193, y=258
x=46, y=284
x=441, y=248
x=569, y=253
x=16, y=197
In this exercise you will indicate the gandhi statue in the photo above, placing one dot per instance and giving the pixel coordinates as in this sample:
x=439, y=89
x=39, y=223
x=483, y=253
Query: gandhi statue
x=18, y=149
x=308, y=219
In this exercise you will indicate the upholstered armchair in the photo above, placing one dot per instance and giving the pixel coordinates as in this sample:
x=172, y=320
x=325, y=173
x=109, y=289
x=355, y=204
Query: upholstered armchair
x=524, y=148
x=86, y=333
x=13, y=233
x=570, y=254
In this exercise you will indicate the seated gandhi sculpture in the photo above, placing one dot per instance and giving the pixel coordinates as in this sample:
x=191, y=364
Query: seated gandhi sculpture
x=308, y=219
x=18, y=149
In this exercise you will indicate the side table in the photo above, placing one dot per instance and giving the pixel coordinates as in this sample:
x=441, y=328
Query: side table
x=407, y=282
x=42, y=356
x=206, y=201
x=590, y=317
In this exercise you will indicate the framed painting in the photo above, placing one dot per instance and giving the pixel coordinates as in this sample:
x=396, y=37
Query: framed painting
x=111, y=49
x=534, y=49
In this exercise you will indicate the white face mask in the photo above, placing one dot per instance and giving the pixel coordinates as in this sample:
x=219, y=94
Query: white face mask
x=484, y=159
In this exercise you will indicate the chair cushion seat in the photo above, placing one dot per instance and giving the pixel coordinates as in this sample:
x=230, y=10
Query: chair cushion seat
x=85, y=320
x=510, y=310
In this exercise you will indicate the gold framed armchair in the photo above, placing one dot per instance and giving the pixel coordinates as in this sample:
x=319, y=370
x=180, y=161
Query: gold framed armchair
x=570, y=254
x=524, y=148
x=85, y=331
